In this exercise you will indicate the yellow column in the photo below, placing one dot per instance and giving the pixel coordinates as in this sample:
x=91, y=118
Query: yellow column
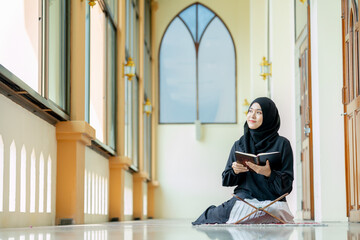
x=77, y=59
x=138, y=192
x=118, y=166
x=140, y=177
x=153, y=184
x=72, y=138
x=151, y=198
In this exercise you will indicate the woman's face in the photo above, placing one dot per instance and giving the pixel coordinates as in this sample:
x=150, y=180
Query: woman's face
x=254, y=117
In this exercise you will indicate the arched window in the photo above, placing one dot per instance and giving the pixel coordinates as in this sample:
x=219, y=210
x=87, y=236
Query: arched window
x=197, y=69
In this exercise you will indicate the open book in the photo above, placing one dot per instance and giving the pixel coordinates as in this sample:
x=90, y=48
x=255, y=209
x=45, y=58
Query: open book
x=260, y=159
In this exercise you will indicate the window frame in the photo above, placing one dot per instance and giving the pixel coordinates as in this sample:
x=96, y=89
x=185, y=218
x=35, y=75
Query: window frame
x=110, y=107
x=148, y=118
x=132, y=41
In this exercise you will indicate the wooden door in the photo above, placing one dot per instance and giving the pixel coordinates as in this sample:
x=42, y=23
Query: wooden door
x=306, y=135
x=351, y=101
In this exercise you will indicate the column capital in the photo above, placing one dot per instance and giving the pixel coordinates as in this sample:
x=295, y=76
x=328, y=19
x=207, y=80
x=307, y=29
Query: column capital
x=153, y=184
x=140, y=176
x=75, y=131
x=120, y=162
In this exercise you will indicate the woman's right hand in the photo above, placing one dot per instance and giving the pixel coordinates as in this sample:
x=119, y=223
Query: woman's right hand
x=239, y=168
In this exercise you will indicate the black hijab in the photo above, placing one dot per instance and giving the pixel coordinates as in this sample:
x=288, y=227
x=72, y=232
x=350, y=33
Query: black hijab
x=261, y=139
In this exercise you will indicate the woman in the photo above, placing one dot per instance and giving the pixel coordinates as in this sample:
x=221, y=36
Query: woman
x=262, y=184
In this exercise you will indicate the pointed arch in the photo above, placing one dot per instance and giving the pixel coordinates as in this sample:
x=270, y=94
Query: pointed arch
x=187, y=90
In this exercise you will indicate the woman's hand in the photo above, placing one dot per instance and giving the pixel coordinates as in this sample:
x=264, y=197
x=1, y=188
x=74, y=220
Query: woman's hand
x=263, y=170
x=239, y=168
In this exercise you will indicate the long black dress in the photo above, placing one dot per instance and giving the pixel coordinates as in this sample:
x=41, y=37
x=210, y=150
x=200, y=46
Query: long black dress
x=249, y=184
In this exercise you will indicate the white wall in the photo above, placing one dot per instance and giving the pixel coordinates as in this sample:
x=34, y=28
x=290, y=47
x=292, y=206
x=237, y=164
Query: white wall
x=97, y=187
x=328, y=125
x=36, y=135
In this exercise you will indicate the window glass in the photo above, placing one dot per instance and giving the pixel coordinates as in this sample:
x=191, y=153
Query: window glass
x=177, y=75
x=128, y=118
x=189, y=17
x=147, y=75
x=147, y=144
x=131, y=119
x=111, y=77
x=147, y=88
x=87, y=64
x=147, y=27
x=197, y=79
x=135, y=129
x=97, y=71
x=132, y=86
x=127, y=27
x=204, y=17
x=20, y=49
x=57, y=52
x=216, y=75
x=112, y=6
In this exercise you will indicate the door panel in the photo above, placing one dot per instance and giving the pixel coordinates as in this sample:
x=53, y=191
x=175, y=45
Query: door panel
x=351, y=160
x=357, y=158
x=351, y=100
x=306, y=207
x=306, y=135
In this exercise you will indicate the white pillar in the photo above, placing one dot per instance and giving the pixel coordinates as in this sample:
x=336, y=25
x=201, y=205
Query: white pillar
x=328, y=125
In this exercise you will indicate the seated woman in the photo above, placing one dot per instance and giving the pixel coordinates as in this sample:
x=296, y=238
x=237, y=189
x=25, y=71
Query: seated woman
x=258, y=185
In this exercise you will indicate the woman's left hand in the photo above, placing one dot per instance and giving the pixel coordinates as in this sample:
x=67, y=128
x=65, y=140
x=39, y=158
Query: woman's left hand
x=263, y=170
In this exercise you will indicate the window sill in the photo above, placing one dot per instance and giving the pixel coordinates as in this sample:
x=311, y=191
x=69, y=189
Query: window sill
x=16, y=90
x=102, y=148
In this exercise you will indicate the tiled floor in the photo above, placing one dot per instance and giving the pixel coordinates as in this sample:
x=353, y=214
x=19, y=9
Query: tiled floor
x=182, y=229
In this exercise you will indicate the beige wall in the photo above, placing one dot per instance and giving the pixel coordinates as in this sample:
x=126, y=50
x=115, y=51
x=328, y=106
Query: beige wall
x=99, y=166
x=258, y=48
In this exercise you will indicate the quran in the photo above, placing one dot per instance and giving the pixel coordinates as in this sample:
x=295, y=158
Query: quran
x=260, y=159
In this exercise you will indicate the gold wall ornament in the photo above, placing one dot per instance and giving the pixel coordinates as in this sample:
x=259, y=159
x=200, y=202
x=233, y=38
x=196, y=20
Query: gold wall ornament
x=245, y=106
x=92, y=3
x=302, y=1
x=265, y=68
x=129, y=69
x=147, y=107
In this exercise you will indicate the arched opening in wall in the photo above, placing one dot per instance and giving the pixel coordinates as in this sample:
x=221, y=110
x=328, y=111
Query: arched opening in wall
x=23, y=180
x=197, y=75
x=12, y=178
x=32, y=181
